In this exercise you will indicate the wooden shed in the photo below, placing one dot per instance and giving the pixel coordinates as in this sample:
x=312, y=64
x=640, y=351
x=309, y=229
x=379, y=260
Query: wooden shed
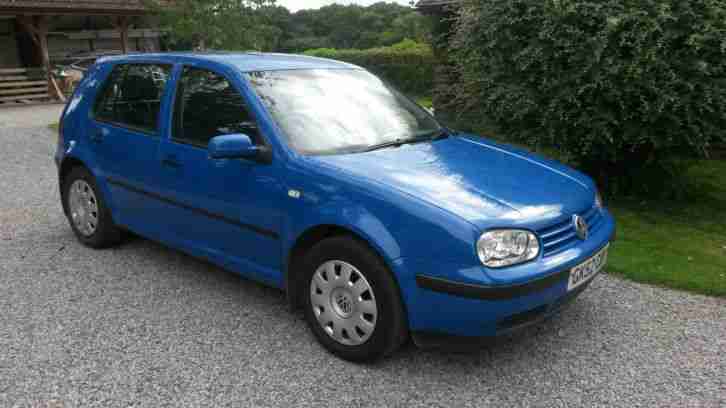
x=35, y=35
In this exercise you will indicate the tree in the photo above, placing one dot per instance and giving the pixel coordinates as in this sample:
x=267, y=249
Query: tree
x=219, y=24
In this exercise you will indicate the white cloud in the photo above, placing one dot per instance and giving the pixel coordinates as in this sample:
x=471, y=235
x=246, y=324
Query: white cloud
x=295, y=5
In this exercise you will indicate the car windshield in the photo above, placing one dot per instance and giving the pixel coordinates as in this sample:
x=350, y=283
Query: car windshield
x=332, y=111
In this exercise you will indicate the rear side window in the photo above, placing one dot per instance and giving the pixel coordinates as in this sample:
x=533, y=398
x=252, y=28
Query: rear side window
x=207, y=105
x=131, y=96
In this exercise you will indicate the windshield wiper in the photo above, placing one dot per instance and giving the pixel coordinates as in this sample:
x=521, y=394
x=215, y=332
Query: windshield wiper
x=438, y=134
x=392, y=143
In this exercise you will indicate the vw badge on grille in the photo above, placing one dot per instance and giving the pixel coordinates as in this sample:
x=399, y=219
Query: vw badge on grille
x=581, y=227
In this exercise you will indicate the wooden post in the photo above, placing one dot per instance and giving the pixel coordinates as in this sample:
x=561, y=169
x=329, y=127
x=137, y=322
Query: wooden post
x=122, y=25
x=37, y=26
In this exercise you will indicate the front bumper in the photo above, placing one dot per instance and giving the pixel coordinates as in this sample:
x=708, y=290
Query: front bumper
x=508, y=325
x=462, y=302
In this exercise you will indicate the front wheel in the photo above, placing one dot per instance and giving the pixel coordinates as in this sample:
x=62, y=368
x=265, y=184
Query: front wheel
x=352, y=302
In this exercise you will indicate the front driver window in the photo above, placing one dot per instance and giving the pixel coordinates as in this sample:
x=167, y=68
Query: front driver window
x=207, y=105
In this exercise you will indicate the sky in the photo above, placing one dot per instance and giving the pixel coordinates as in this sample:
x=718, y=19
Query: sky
x=295, y=5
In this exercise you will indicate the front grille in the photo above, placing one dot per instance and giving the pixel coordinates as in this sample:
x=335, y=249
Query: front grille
x=561, y=235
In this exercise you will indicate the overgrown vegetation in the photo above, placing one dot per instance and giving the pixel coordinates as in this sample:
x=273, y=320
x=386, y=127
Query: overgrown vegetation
x=409, y=65
x=620, y=87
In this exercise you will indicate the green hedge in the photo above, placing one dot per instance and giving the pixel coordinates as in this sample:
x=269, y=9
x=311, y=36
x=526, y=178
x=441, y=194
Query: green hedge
x=408, y=65
x=620, y=86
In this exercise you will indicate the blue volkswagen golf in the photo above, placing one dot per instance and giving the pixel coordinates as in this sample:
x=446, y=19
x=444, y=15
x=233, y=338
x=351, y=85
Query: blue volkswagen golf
x=318, y=178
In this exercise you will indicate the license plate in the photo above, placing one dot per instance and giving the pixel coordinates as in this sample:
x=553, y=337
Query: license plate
x=586, y=270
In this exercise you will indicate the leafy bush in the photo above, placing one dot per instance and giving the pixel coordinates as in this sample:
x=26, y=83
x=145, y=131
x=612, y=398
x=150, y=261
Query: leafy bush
x=619, y=86
x=408, y=64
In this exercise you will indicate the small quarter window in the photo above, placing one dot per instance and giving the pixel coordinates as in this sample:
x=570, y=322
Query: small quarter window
x=207, y=105
x=132, y=96
x=105, y=103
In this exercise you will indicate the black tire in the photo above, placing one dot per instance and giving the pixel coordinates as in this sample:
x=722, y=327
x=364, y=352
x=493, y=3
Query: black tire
x=106, y=234
x=391, y=328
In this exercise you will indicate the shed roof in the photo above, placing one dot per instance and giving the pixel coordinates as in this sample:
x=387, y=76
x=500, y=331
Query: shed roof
x=114, y=7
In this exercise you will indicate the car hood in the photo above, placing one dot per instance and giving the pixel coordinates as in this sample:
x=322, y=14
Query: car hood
x=486, y=183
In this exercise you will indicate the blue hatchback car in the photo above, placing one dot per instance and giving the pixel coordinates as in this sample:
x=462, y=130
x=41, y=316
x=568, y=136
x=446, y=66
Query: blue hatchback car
x=316, y=177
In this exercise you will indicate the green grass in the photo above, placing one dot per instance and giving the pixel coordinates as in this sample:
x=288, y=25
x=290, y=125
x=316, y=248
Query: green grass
x=425, y=101
x=676, y=244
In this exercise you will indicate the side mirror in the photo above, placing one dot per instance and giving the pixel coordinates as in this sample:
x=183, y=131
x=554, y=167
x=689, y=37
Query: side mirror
x=235, y=146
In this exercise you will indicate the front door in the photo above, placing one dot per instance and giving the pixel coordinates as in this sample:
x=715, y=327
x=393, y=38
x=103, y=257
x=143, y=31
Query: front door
x=227, y=208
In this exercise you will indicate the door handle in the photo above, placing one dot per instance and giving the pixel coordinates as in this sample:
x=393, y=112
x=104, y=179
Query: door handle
x=171, y=161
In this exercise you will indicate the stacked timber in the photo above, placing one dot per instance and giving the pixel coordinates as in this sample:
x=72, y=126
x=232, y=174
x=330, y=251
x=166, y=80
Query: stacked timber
x=23, y=85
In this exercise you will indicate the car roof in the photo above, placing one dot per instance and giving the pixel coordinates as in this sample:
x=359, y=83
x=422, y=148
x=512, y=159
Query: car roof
x=243, y=61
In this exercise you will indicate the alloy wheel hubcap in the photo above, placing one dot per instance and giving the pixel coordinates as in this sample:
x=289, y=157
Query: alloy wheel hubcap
x=343, y=302
x=83, y=207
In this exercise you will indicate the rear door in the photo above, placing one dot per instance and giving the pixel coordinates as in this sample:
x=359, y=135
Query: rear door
x=125, y=134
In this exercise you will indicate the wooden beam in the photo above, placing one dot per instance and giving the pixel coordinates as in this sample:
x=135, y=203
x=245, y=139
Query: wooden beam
x=15, y=78
x=21, y=91
x=12, y=70
x=22, y=83
x=37, y=26
x=122, y=25
x=72, y=10
x=55, y=89
x=41, y=24
x=27, y=23
x=21, y=97
x=105, y=34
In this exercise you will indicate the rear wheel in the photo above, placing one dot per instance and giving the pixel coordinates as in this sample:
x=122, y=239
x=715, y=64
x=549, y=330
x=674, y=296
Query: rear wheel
x=86, y=210
x=352, y=303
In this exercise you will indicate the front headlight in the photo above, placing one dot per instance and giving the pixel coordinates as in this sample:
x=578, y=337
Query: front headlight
x=498, y=248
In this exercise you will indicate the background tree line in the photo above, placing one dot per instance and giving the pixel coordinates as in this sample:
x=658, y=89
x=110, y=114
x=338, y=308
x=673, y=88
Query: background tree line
x=263, y=25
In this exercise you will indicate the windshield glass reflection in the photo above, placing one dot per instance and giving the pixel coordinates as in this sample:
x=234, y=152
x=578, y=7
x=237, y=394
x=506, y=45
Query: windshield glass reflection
x=328, y=111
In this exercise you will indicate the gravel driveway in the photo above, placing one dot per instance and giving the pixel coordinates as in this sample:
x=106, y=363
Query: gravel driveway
x=145, y=326
x=27, y=116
